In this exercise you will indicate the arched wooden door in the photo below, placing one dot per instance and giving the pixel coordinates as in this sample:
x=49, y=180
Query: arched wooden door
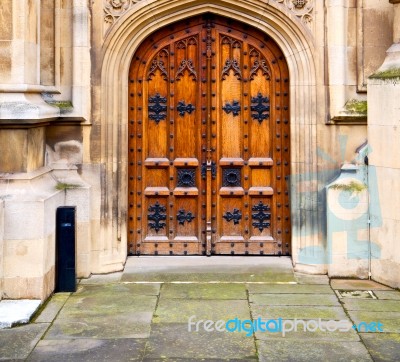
x=208, y=142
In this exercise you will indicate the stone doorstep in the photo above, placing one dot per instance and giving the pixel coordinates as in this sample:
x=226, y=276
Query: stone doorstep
x=14, y=312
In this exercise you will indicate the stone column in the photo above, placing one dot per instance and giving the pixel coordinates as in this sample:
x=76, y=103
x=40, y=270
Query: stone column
x=338, y=48
x=1, y=247
x=396, y=20
x=384, y=163
x=23, y=112
x=28, y=196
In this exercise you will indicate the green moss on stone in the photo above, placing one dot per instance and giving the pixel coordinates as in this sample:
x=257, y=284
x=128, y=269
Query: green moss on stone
x=65, y=186
x=63, y=106
x=354, y=106
x=387, y=74
x=353, y=186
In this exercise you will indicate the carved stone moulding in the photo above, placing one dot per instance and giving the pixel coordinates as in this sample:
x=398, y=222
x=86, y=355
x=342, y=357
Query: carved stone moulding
x=114, y=9
x=303, y=9
x=299, y=4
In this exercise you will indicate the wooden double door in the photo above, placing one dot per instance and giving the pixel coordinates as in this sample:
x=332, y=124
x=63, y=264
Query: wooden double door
x=209, y=153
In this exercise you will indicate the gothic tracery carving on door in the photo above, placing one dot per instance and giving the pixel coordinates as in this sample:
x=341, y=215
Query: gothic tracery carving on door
x=208, y=152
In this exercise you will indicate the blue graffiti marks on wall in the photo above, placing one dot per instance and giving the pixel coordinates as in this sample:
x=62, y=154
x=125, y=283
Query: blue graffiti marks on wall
x=346, y=214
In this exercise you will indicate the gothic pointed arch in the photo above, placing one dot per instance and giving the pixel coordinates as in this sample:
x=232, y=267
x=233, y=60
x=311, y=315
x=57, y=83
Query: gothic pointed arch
x=120, y=44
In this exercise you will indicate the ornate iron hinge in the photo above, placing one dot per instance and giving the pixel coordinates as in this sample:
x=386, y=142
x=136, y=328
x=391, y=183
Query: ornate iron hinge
x=233, y=107
x=158, y=216
x=157, y=108
x=182, y=108
x=260, y=108
x=182, y=216
x=261, y=216
x=235, y=216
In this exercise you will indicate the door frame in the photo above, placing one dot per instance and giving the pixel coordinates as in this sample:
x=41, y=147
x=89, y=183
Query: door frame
x=264, y=169
x=119, y=46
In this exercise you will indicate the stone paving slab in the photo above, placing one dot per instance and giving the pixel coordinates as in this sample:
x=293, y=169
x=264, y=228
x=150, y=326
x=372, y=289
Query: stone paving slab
x=298, y=312
x=312, y=332
x=102, y=278
x=145, y=289
x=110, y=290
x=110, y=319
x=387, y=294
x=105, y=305
x=172, y=340
x=288, y=289
x=311, y=279
x=219, y=275
x=179, y=311
x=52, y=308
x=166, y=359
x=311, y=337
x=357, y=284
x=121, y=325
x=371, y=305
x=294, y=299
x=382, y=346
x=106, y=311
x=18, y=342
x=74, y=350
x=301, y=351
x=390, y=320
x=204, y=291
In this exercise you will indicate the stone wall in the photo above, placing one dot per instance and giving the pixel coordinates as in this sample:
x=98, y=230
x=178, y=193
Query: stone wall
x=384, y=141
x=29, y=234
x=1, y=246
x=357, y=36
x=45, y=112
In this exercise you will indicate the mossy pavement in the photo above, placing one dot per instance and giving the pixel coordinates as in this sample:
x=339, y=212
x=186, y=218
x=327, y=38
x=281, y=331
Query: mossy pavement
x=142, y=314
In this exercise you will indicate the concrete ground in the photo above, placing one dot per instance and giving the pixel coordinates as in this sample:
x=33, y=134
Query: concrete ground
x=143, y=313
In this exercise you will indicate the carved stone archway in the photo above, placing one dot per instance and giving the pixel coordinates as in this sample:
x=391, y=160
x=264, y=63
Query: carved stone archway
x=121, y=42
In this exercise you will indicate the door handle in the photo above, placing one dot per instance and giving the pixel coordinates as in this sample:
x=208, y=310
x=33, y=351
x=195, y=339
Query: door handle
x=210, y=166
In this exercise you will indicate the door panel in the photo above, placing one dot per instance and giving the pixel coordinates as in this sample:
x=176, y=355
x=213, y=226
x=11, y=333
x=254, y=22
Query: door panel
x=209, y=142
